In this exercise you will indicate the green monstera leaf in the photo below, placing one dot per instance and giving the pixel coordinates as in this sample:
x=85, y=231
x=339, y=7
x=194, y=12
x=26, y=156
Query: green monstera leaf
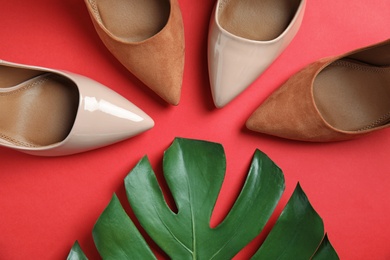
x=194, y=171
x=76, y=253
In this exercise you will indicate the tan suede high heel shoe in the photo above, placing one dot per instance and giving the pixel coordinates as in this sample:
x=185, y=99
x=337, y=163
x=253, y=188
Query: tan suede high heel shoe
x=147, y=37
x=333, y=99
x=50, y=113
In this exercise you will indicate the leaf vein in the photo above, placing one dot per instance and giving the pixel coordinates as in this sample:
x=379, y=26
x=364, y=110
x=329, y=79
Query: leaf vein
x=172, y=234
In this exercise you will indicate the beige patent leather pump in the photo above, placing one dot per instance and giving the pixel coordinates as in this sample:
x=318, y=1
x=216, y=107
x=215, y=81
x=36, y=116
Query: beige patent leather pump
x=245, y=37
x=50, y=113
x=147, y=37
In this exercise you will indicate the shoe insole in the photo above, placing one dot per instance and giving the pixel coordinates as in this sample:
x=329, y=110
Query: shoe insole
x=353, y=96
x=132, y=20
x=10, y=76
x=260, y=20
x=38, y=111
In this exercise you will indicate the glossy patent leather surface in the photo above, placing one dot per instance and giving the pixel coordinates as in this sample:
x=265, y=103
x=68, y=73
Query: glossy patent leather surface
x=235, y=62
x=103, y=117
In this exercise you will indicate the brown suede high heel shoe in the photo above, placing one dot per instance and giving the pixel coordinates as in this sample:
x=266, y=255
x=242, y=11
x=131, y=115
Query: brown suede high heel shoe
x=333, y=99
x=147, y=37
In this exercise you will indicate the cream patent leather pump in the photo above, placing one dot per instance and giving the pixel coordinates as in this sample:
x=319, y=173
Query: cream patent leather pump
x=245, y=37
x=51, y=113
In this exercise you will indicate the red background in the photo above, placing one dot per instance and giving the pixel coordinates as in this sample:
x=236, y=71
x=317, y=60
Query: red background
x=48, y=203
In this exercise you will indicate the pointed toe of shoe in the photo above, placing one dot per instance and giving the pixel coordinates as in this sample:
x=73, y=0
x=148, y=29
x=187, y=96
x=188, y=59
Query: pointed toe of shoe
x=333, y=99
x=171, y=91
x=229, y=75
x=150, y=47
x=163, y=77
x=235, y=59
x=49, y=112
x=279, y=117
x=231, y=65
x=103, y=118
x=290, y=112
x=223, y=93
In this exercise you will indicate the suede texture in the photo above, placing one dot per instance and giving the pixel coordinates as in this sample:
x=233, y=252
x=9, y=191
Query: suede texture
x=157, y=61
x=290, y=112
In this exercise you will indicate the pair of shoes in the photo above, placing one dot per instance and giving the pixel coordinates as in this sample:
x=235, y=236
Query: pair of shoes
x=51, y=113
x=333, y=99
x=245, y=37
x=147, y=37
